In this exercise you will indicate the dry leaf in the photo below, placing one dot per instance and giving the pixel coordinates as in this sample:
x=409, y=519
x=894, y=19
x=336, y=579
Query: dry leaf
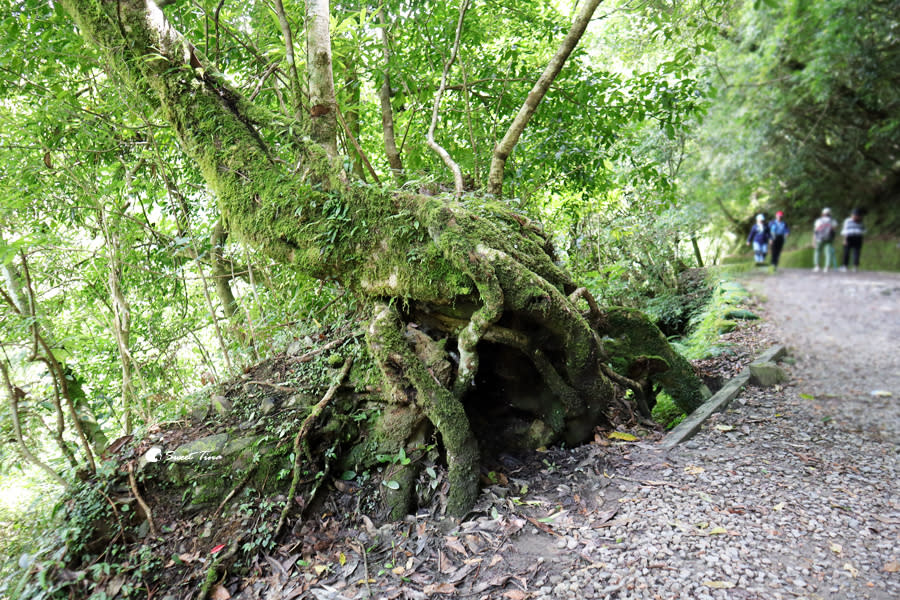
x=836, y=548
x=398, y=570
x=625, y=437
x=189, y=557
x=891, y=567
x=725, y=427
x=778, y=506
x=515, y=595
x=881, y=393
x=342, y=559
x=606, y=515
x=722, y=585
x=219, y=593
x=851, y=569
x=440, y=588
x=694, y=470
x=454, y=544
x=717, y=531
x=319, y=569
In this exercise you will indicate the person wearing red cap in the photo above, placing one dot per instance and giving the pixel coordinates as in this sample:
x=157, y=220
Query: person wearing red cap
x=778, y=230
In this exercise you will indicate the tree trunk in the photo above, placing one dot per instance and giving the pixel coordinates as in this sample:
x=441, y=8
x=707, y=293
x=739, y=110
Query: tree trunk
x=323, y=114
x=14, y=394
x=387, y=110
x=467, y=303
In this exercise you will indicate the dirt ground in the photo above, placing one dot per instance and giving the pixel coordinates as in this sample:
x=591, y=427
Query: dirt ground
x=790, y=493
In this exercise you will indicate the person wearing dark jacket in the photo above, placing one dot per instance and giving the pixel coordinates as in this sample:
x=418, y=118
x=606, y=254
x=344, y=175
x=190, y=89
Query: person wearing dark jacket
x=852, y=232
x=779, y=230
x=759, y=239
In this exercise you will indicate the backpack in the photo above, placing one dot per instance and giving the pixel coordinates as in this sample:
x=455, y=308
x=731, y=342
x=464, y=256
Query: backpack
x=825, y=231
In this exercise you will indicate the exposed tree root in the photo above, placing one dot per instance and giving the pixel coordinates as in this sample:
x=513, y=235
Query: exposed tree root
x=301, y=435
x=140, y=499
x=401, y=366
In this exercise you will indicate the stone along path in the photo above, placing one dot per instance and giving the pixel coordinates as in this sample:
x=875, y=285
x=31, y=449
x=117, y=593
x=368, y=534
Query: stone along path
x=792, y=492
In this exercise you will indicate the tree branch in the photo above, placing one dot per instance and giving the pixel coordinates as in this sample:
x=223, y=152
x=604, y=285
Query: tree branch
x=296, y=90
x=387, y=110
x=505, y=147
x=438, y=149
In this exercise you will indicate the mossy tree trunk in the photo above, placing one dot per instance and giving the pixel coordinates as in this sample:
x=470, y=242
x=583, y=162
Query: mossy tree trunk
x=467, y=300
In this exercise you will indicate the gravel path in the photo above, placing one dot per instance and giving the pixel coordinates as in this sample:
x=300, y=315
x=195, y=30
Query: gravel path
x=791, y=493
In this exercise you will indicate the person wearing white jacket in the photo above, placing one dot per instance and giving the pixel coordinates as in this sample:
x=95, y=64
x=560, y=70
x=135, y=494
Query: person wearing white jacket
x=852, y=232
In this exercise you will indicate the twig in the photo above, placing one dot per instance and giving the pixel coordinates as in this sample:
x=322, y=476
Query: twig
x=140, y=500
x=304, y=429
x=359, y=150
x=365, y=558
x=542, y=526
x=280, y=388
x=640, y=391
x=332, y=344
x=429, y=138
x=234, y=491
x=115, y=511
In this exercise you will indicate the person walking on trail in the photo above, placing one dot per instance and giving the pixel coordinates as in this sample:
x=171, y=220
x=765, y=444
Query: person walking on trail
x=778, y=230
x=759, y=239
x=824, y=232
x=852, y=232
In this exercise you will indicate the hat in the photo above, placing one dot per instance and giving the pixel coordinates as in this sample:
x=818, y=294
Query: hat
x=826, y=211
x=779, y=214
x=760, y=217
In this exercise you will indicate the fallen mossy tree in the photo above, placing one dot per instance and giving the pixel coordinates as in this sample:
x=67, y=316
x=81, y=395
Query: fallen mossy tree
x=469, y=312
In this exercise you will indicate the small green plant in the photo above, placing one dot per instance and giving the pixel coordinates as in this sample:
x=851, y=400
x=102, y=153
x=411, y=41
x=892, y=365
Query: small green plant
x=666, y=412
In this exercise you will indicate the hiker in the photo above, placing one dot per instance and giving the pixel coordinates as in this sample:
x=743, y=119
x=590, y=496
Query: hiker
x=778, y=230
x=759, y=239
x=824, y=231
x=852, y=232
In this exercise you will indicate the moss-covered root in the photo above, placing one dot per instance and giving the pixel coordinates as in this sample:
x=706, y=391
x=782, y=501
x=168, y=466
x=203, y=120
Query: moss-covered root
x=478, y=267
x=401, y=366
x=534, y=298
x=636, y=337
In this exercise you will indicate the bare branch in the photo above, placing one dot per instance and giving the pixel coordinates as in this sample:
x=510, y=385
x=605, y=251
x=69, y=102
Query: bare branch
x=296, y=90
x=440, y=151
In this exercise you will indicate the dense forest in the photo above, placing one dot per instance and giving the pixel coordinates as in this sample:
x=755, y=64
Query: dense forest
x=467, y=227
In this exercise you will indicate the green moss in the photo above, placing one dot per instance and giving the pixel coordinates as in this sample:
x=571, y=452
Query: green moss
x=667, y=412
x=725, y=326
x=634, y=336
x=710, y=323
